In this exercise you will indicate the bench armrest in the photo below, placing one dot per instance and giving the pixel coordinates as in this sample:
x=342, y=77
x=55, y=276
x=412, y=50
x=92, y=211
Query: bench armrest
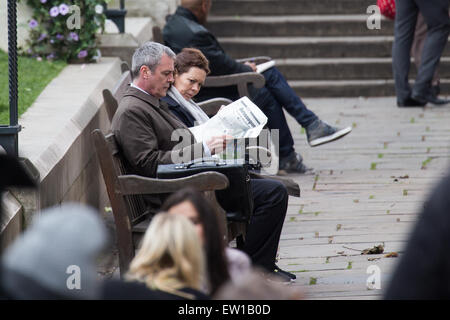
x=212, y=106
x=241, y=80
x=292, y=187
x=205, y=181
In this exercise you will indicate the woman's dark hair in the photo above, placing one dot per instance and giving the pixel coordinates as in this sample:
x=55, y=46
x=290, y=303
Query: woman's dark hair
x=217, y=266
x=190, y=57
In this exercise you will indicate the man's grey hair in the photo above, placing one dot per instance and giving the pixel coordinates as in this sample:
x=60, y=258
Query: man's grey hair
x=149, y=54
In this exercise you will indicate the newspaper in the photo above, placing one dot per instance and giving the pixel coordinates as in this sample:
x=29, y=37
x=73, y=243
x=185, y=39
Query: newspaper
x=240, y=119
x=260, y=68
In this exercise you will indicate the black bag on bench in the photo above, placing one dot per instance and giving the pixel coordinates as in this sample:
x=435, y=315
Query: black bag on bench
x=236, y=200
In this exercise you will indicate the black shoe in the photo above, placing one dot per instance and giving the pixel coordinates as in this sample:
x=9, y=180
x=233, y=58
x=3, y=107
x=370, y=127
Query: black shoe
x=278, y=275
x=410, y=102
x=431, y=99
x=294, y=164
x=320, y=132
x=277, y=270
x=435, y=90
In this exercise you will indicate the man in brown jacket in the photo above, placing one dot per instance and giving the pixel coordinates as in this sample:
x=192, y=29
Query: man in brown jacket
x=144, y=128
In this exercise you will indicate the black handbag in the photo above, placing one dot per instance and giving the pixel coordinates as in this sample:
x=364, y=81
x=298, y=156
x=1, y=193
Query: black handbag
x=236, y=200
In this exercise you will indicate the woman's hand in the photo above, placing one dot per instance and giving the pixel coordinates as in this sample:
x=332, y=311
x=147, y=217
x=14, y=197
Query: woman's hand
x=218, y=144
x=251, y=65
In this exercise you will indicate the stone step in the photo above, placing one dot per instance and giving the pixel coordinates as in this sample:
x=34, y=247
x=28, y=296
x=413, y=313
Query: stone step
x=346, y=68
x=284, y=7
x=310, y=47
x=296, y=26
x=350, y=88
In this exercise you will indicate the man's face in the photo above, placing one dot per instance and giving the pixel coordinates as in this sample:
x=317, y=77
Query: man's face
x=203, y=14
x=158, y=82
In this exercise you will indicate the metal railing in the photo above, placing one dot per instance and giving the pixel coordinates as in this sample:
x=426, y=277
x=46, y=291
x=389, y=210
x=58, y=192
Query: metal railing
x=117, y=16
x=9, y=133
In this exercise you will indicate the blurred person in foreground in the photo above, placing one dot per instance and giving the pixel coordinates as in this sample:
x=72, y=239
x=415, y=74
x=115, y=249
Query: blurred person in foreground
x=222, y=262
x=424, y=269
x=55, y=258
x=169, y=264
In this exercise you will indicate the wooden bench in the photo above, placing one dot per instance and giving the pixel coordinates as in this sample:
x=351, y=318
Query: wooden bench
x=125, y=192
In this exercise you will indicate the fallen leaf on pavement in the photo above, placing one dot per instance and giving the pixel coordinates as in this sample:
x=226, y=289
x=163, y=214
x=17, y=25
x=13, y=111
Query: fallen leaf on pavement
x=375, y=250
x=391, y=255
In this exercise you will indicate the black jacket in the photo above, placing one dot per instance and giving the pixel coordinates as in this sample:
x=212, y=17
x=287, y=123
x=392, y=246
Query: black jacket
x=183, y=30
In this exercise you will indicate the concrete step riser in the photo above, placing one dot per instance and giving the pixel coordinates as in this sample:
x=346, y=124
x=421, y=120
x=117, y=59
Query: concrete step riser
x=237, y=28
x=286, y=7
x=347, y=71
x=315, y=50
x=362, y=90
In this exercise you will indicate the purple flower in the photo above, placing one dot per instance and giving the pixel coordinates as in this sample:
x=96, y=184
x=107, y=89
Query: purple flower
x=43, y=1
x=63, y=9
x=74, y=36
x=33, y=24
x=54, y=11
x=51, y=56
x=82, y=54
x=42, y=37
x=59, y=36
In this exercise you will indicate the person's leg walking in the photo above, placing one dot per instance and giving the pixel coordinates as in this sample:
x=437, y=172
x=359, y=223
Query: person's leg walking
x=435, y=13
x=417, y=48
x=405, y=23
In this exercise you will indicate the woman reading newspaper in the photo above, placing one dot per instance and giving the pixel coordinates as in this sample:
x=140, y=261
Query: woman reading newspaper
x=240, y=119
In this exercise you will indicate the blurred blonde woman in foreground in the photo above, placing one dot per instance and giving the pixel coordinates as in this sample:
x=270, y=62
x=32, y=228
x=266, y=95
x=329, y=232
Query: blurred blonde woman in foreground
x=170, y=261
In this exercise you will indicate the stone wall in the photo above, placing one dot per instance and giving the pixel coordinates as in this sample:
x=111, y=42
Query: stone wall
x=156, y=9
x=23, y=17
x=56, y=143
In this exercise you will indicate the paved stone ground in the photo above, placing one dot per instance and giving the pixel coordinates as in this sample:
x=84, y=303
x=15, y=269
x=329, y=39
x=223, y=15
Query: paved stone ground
x=368, y=189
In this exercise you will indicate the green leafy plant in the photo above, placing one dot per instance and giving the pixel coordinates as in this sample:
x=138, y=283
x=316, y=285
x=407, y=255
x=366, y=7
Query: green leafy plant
x=65, y=29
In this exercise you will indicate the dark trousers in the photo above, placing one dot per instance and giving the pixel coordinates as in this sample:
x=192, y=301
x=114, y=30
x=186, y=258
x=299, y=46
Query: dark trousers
x=264, y=229
x=272, y=98
x=435, y=13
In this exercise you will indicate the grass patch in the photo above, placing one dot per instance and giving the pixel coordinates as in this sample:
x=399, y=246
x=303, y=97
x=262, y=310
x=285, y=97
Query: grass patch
x=380, y=156
x=312, y=281
x=373, y=166
x=349, y=266
x=405, y=192
x=426, y=162
x=33, y=78
x=371, y=197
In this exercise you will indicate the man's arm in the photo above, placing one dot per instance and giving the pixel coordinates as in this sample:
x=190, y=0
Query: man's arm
x=138, y=140
x=219, y=62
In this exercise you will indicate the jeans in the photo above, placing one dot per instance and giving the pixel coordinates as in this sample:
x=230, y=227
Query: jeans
x=272, y=98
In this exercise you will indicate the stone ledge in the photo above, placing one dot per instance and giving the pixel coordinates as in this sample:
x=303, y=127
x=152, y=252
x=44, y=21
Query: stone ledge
x=56, y=139
x=11, y=219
